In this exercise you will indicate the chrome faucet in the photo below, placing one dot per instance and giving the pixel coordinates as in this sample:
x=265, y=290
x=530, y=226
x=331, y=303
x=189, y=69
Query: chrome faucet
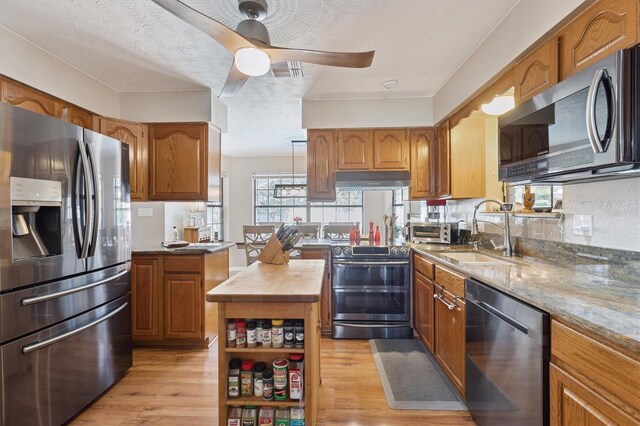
x=506, y=246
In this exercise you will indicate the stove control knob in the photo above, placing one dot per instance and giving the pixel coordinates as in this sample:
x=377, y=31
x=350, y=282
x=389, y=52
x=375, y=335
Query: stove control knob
x=337, y=251
x=346, y=251
x=404, y=251
x=394, y=251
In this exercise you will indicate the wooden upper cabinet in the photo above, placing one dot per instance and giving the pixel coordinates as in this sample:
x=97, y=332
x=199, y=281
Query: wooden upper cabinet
x=178, y=161
x=390, y=149
x=354, y=150
x=132, y=134
x=443, y=181
x=75, y=115
x=468, y=171
x=30, y=99
x=603, y=28
x=215, y=165
x=423, y=163
x=321, y=183
x=537, y=72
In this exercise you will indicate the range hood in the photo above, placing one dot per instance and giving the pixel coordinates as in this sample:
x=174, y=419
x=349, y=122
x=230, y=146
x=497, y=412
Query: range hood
x=372, y=181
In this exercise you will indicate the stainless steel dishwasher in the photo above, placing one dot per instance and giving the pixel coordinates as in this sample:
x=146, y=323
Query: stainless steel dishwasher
x=507, y=359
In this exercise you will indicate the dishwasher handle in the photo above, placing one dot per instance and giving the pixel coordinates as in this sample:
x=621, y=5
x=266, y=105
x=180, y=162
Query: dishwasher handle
x=504, y=317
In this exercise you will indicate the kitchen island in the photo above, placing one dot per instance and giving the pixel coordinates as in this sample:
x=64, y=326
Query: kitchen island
x=289, y=291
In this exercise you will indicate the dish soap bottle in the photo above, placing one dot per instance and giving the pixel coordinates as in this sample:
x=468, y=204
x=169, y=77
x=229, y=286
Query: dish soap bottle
x=174, y=234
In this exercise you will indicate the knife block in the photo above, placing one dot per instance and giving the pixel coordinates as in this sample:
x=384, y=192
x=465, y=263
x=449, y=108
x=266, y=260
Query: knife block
x=272, y=253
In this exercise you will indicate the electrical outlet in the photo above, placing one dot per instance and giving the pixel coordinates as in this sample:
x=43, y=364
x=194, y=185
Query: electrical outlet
x=583, y=225
x=145, y=212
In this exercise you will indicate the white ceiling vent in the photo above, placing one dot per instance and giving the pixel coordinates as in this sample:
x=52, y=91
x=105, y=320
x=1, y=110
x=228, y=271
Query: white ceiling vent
x=286, y=69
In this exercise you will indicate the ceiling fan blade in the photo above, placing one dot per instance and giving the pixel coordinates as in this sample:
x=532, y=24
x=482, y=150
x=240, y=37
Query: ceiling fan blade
x=223, y=35
x=235, y=81
x=334, y=59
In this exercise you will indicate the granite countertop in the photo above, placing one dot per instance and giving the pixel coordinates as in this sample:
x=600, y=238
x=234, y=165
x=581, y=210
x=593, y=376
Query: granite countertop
x=607, y=307
x=196, y=248
x=299, y=281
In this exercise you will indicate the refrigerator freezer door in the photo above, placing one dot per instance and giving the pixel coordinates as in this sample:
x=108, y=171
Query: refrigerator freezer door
x=34, y=146
x=111, y=239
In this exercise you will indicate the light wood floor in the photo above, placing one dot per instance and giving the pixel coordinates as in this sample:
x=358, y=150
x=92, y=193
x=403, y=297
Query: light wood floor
x=179, y=387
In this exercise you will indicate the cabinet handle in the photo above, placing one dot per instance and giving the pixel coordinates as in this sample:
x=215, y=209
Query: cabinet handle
x=450, y=306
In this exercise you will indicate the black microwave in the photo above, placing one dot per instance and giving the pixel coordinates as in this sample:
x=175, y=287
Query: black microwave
x=583, y=127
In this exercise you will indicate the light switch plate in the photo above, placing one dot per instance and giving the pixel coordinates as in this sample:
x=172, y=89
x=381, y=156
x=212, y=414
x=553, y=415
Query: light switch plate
x=145, y=212
x=583, y=225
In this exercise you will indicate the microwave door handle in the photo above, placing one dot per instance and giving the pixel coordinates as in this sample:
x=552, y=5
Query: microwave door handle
x=592, y=129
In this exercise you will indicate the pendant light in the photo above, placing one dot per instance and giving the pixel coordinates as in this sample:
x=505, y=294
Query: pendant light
x=291, y=190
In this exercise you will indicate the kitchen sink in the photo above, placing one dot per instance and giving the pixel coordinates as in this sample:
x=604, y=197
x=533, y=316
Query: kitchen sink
x=475, y=258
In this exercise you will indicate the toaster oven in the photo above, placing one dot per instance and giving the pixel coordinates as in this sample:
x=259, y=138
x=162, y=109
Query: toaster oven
x=438, y=233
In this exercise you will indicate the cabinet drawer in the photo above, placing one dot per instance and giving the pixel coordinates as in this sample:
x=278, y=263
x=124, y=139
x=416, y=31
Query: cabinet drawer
x=451, y=281
x=183, y=264
x=614, y=371
x=423, y=266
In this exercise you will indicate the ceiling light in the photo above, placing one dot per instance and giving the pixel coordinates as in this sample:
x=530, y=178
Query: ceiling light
x=252, y=61
x=499, y=105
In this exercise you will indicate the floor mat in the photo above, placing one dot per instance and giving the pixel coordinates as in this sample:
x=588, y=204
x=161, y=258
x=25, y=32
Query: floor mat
x=411, y=378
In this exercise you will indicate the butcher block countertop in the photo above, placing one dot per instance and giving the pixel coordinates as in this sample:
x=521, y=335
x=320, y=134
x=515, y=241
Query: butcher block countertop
x=297, y=281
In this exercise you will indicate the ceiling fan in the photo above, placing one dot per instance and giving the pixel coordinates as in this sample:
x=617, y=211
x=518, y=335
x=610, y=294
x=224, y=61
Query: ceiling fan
x=250, y=44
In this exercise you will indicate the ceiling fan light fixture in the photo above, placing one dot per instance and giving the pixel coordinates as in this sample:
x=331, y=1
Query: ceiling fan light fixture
x=252, y=61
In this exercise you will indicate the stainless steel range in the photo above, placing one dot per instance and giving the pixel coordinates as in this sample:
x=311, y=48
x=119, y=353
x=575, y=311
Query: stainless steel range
x=371, y=292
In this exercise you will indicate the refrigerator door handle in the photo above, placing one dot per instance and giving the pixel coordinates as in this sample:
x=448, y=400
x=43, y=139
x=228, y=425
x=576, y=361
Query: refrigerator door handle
x=37, y=299
x=95, y=213
x=39, y=345
x=87, y=201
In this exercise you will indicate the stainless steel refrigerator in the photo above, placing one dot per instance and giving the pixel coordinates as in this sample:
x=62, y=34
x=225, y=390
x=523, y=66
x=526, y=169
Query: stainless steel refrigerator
x=65, y=254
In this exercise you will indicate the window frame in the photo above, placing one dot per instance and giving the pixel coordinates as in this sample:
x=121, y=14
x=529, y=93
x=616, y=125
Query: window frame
x=216, y=205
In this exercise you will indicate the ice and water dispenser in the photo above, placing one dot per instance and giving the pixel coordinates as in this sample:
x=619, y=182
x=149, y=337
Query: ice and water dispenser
x=36, y=218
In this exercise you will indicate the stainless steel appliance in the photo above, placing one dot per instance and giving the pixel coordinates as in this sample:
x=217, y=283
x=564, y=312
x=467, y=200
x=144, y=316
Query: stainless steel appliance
x=431, y=232
x=65, y=317
x=583, y=127
x=371, y=292
x=507, y=359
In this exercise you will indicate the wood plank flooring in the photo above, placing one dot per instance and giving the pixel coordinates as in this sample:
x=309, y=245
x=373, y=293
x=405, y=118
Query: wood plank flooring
x=179, y=387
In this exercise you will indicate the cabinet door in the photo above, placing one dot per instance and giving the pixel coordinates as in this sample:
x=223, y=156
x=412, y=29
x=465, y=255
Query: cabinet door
x=537, y=72
x=573, y=403
x=146, y=298
x=325, y=297
x=133, y=135
x=25, y=97
x=449, y=337
x=178, y=161
x=602, y=29
x=183, y=306
x=468, y=179
x=354, y=150
x=390, y=149
x=74, y=115
x=321, y=183
x=423, y=163
x=444, y=161
x=423, y=308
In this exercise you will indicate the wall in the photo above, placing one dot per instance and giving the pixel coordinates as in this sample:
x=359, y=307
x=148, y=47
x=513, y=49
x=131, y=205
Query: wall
x=408, y=112
x=150, y=107
x=25, y=62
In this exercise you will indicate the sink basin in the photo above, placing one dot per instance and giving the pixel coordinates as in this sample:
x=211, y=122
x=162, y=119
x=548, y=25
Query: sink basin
x=476, y=258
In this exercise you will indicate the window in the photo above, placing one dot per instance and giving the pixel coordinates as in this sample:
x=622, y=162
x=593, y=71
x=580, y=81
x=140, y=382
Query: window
x=397, y=198
x=346, y=208
x=546, y=195
x=215, y=216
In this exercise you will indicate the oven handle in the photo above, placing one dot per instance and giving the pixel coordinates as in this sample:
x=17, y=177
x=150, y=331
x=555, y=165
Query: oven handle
x=346, y=324
x=39, y=345
x=370, y=290
x=369, y=263
x=37, y=299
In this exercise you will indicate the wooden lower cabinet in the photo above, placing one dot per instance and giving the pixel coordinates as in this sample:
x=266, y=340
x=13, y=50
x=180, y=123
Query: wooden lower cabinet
x=168, y=298
x=325, y=298
x=450, y=337
x=424, y=309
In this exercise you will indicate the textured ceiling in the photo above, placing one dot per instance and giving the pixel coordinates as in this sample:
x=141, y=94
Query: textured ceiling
x=134, y=45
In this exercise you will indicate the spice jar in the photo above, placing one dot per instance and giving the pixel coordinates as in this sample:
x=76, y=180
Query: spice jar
x=259, y=330
x=267, y=416
x=282, y=416
x=235, y=416
x=277, y=330
x=295, y=376
x=297, y=416
x=249, y=415
x=288, y=334
x=231, y=334
x=233, y=381
x=241, y=334
x=280, y=368
x=252, y=339
x=258, y=381
x=267, y=384
x=299, y=334
x=266, y=334
x=246, y=378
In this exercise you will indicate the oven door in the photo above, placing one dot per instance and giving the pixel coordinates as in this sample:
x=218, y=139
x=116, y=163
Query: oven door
x=371, y=304
x=371, y=273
